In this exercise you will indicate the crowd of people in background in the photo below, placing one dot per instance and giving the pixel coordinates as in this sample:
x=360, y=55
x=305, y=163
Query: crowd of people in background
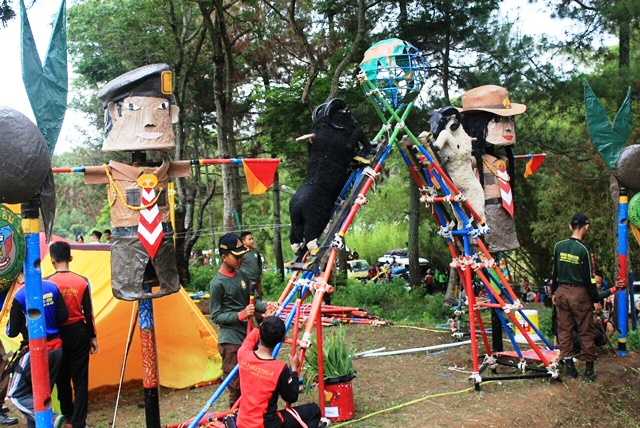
x=95, y=237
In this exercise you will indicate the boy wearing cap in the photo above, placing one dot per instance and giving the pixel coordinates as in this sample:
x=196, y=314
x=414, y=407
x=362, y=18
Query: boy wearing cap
x=230, y=305
x=575, y=295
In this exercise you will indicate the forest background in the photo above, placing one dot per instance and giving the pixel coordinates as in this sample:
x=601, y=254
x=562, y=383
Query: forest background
x=249, y=73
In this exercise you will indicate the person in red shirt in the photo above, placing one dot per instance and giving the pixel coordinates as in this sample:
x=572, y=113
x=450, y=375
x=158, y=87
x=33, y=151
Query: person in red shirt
x=263, y=379
x=78, y=334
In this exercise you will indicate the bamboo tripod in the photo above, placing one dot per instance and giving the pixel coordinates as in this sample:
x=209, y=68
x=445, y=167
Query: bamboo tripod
x=446, y=202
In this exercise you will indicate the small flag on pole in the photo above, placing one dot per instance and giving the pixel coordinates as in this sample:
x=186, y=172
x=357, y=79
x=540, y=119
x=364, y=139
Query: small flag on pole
x=534, y=163
x=260, y=173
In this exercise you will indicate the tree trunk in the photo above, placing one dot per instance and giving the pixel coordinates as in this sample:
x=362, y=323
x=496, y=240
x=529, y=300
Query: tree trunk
x=624, y=43
x=445, y=68
x=415, y=275
x=182, y=260
x=222, y=91
x=403, y=18
x=355, y=49
x=277, y=235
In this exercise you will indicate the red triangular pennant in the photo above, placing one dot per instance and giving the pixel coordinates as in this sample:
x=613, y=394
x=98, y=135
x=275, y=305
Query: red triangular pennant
x=260, y=173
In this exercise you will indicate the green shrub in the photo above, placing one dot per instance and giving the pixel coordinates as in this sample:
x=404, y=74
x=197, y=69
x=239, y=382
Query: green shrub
x=201, y=276
x=545, y=322
x=633, y=340
x=393, y=301
x=272, y=286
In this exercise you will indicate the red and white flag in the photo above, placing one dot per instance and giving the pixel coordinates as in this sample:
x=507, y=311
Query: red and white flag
x=505, y=189
x=150, y=223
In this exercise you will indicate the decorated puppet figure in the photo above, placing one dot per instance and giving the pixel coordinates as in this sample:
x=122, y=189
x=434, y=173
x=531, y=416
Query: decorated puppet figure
x=455, y=150
x=336, y=140
x=139, y=113
x=488, y=116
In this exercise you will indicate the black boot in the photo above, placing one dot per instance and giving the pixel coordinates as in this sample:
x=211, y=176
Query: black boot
x=570, y=368
x=590, y=372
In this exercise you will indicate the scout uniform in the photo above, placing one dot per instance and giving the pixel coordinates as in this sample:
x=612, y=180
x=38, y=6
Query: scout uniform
x=229, y=297
x=139, y=112
x=252, y=269
x=574, y=295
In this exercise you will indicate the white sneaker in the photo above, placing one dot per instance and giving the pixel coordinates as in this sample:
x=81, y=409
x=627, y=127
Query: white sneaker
x=324, y=423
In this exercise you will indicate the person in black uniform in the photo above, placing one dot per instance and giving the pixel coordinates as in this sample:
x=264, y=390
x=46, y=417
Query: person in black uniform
x=575, y=296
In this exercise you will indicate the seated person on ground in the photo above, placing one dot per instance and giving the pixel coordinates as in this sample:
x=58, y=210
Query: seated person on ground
x=263, y=379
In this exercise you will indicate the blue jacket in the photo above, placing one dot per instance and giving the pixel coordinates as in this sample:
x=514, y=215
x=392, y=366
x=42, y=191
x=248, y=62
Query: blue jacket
x=55, y=312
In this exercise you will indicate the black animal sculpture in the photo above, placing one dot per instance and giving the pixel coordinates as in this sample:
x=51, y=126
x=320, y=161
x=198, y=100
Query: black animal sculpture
x=336, y=140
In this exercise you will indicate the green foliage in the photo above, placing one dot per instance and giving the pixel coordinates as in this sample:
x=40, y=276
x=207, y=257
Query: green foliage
x=633, y=340
x=272, y=286
x=383, y=224
x=201, y=276
x=6, y=12
x=392, y=301
x=80, y=207
x=338, y=356
x=546, y=325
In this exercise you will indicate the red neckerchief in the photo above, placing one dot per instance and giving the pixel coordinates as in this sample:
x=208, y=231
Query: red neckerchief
x=226, y=272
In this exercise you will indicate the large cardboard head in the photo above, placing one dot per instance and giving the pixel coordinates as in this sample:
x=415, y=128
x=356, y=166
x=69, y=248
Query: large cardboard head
x=140, y=110
x=492, y=103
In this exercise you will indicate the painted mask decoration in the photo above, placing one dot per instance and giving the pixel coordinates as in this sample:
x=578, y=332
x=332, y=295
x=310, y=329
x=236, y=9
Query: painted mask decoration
x=501, y=131
x=140, y=110
x=12, y=247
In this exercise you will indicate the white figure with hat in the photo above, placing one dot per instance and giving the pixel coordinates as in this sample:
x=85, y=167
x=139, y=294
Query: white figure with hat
x=489, y=118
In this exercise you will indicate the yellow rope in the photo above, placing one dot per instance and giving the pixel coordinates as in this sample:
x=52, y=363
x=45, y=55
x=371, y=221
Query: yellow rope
x=420, y=328
x=400, y=406
x=123, y=200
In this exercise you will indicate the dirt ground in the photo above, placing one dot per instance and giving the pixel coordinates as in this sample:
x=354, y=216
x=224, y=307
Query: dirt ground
x=384, y=382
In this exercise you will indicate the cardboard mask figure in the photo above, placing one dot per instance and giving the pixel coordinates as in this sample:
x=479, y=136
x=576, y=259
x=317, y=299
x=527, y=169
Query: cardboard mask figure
x=141, y=123
x=489, y=117
x=501, y=131
x=139, y=113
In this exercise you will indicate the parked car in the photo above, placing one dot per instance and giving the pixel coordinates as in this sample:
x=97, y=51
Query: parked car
x=358, y=269
x=400, y=257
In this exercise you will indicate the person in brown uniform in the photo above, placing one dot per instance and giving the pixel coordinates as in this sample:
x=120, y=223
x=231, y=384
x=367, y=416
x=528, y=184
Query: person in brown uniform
x=575, y=296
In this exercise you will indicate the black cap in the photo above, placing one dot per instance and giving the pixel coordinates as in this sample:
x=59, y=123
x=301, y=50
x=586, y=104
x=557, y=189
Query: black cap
x=155, y=80
x=579, y=220
x=230, y=243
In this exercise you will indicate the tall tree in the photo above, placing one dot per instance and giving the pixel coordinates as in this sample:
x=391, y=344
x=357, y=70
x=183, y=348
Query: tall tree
x=214, y=14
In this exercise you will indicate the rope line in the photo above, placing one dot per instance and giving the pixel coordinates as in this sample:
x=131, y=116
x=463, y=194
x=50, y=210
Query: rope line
x=403, y=405
x=420, y=328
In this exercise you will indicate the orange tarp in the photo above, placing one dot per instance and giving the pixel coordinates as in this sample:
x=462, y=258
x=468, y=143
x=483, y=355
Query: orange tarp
x=187, y=343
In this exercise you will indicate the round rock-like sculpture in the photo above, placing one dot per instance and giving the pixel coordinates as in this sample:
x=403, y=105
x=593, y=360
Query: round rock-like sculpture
x=25, y=163
x=627, y=170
